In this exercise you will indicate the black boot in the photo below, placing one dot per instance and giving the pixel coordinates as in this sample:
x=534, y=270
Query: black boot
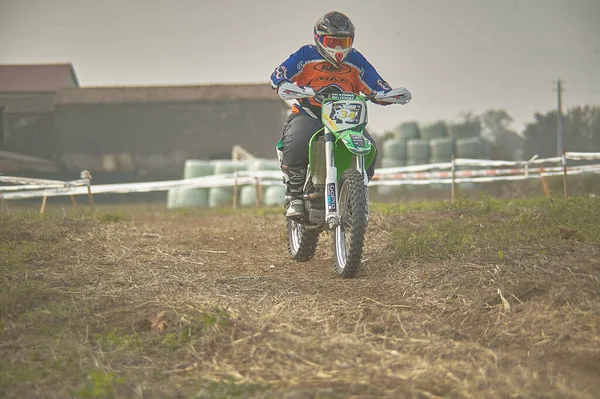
x=294, y=189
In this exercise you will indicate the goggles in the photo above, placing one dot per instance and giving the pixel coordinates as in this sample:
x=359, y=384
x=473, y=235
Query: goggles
x=333, y=42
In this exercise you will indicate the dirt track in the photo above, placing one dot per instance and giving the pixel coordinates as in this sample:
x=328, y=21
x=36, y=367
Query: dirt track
x=215, y=297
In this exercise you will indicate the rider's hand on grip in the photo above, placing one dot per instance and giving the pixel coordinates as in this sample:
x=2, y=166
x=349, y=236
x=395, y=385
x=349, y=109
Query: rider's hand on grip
x=290, y=91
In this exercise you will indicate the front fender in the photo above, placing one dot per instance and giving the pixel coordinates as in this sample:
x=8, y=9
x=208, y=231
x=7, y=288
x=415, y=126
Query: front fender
x=355, y=142
x=348, y=144
x=344, y=150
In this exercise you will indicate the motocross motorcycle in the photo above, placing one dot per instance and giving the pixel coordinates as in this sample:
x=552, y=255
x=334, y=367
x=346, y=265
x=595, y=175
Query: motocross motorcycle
x=336, y=196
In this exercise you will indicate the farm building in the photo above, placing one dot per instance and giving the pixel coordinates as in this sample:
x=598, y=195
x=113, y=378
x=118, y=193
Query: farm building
x=26, y=108
x=146, y=131
x=153, y=129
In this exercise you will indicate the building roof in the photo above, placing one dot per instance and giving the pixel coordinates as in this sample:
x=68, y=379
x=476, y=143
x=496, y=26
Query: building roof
x=36, y=77
x=165, y=94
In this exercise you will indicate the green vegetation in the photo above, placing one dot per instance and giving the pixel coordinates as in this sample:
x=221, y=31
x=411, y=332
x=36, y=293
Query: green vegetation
x=467, y=228
x=103, y=307
x=99, y=384
x=229, y=389
x=436, y=241
x=185, y=332
x=582, y=132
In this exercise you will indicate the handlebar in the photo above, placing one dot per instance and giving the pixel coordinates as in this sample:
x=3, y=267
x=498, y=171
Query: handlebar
x=290, y=91
x=320, y=97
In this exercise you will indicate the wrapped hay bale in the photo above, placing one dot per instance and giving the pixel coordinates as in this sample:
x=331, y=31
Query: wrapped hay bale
x=474, y=148
x=390, y=163
x=395, y=149
x=223, y=196
x=407, y=130
x=248, y=192
x=191, y=197
x=417, y=152
x=441, y=149
x=274, y=195
x=433, y=131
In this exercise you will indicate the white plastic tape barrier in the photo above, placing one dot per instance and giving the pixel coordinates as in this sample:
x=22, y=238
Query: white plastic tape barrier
x=405, y=175
x=384, y=174
x=583, y=156
x=34, y=184
x=422, y=182
x=197, y=182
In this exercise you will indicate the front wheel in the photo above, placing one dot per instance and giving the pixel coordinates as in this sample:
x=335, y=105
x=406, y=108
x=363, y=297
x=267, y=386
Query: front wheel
x=302, y=242
x=349, y=235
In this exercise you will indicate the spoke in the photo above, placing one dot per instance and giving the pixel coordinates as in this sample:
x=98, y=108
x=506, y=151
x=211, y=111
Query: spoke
x=348, y=214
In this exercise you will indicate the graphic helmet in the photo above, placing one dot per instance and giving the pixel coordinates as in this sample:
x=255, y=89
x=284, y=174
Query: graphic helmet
x=334, y=35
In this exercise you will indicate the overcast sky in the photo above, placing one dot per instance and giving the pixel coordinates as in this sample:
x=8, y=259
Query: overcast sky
x=454, y=55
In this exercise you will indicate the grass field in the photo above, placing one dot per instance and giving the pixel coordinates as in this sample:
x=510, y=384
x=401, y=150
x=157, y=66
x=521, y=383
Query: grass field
x=477, y=299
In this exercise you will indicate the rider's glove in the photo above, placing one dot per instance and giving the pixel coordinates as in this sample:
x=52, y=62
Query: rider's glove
x=290, y=91
x=398, y=96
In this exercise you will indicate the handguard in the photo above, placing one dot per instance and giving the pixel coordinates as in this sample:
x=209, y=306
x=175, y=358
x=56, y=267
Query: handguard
x=290, y=91
x=395, y=96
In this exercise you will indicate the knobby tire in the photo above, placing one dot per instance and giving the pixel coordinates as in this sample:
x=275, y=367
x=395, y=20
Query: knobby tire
x=353, y=199
x=301, y=247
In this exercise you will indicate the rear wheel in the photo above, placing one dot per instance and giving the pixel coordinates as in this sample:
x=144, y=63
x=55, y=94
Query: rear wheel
x=302, y=242
x=349, y=235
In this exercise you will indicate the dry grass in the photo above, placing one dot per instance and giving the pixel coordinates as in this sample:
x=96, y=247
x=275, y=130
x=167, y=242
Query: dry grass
x=481, y=299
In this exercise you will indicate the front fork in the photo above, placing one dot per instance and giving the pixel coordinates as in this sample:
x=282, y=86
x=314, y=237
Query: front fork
x=360, y=165
x=331, y=182
x=331, y=186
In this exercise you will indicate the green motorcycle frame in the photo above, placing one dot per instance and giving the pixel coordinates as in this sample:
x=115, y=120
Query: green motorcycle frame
x=336, y=195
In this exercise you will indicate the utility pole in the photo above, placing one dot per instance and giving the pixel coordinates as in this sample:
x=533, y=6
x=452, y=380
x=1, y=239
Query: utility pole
x=560, y=127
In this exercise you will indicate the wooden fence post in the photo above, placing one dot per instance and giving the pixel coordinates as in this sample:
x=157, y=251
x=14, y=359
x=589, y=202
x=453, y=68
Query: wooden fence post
x=258, y=192
x=545, y=184
x=91, y=198
x=564, y=164
x=235, y=189
x=74, y=202
x=3, y=206
x=43, y=208
x=453, y=185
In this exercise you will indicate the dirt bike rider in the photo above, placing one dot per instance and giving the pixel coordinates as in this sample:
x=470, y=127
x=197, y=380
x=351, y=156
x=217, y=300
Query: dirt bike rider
x=330, y=64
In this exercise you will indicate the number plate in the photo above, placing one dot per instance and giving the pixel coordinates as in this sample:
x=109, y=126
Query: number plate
x=346, y=113
x=340, y=115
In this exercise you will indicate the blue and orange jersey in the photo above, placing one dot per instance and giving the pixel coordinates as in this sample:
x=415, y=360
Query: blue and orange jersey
x=306, y=67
